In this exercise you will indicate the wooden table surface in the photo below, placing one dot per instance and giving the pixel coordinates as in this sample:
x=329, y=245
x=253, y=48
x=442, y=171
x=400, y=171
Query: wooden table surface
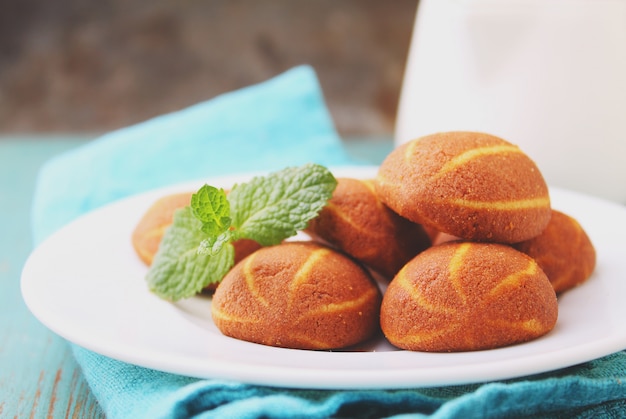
x=39, y=377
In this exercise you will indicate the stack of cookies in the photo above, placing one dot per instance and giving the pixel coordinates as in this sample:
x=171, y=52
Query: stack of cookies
x=458, y=228
x=498, y=253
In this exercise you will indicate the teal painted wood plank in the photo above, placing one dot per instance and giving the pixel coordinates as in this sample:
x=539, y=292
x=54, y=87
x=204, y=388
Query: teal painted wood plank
x=39, y=377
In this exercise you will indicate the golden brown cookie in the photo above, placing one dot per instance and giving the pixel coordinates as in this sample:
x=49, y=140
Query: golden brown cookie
x=467, y=184
x=564, y=252
x=148, y=232
x=356, y=222
x=299, y=295
x=465, y=296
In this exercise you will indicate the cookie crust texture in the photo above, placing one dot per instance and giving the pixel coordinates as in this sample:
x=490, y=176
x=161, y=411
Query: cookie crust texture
x=148, y=233
x=468, y=184
x=298, y=295
x=356, y=222
x=466, y=296
x=563, y=250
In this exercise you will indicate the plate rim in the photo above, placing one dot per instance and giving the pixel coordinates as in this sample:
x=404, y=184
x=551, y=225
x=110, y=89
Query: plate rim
x=311, y=378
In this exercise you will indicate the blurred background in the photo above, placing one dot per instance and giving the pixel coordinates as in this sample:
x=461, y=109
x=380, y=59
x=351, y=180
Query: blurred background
x=91, y=66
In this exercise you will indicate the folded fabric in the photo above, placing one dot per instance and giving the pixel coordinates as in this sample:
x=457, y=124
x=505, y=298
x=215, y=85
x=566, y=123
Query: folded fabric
x=262, y=127
x=268, y=126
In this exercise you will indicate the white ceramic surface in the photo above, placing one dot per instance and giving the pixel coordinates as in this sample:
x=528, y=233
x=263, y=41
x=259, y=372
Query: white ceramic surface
x=86, y=284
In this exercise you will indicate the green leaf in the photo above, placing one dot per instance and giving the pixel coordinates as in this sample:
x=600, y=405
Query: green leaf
x=210, y=205
x=179, y=270
x=272, y=208
x=212, y=245
x=197, y=249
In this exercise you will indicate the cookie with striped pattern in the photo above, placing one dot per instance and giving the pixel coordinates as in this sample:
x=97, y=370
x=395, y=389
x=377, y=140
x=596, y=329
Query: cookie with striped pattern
x=356, y=222
x=467, y=296
x=148, y=232
x=298, y=295
x=563, y=250
x=468, y=184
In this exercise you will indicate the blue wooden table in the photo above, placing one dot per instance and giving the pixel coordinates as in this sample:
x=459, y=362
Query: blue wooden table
x=39, y=378
x=38, y=375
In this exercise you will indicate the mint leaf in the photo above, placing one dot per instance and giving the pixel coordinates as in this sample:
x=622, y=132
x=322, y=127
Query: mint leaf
x=179, y=270
x=272, y=208
x=212, y=245
x=197, y=249
x=211, y=206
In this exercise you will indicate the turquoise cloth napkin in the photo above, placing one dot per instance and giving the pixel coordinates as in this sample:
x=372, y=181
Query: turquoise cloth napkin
x=278, y=123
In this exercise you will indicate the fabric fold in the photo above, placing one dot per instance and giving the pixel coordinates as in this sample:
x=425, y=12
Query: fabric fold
x=283, y=121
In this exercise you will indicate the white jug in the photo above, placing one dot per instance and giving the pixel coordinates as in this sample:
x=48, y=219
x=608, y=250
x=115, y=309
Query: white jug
x=547, y=75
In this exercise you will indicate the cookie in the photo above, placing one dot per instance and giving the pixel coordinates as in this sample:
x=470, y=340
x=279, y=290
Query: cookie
x=356, y=222
x=148, y=232
x=467, y=184
x=298, y=295
x=563, y=250
x=147, y=235
x=467, y=296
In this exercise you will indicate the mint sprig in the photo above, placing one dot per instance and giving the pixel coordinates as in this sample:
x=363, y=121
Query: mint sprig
x=211, y=206
x=272, y=208
x=178, y=269
x=197, y=250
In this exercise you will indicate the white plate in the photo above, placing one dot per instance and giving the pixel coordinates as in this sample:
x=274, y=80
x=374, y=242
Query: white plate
x=87, y=285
